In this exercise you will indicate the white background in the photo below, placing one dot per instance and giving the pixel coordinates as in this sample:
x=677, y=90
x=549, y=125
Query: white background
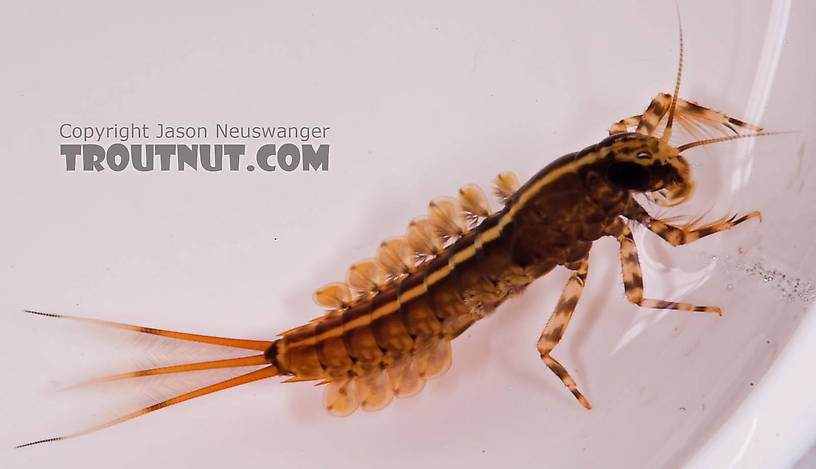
x=420, y=99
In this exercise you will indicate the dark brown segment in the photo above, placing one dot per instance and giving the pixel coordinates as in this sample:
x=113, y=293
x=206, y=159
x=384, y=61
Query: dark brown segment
x=419, y=317
x=334, y=356
x=497, y=257
x=480, y=293
x=469, y=274
x=331, y=350
x=362, y=346
x=391, y=334
x=304, y=363
x=447, y=302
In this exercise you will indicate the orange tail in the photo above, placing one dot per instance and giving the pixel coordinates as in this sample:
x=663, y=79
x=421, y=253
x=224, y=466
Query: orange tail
x=254, y=360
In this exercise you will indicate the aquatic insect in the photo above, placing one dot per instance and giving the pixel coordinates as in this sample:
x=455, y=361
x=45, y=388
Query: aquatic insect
x=389, y=327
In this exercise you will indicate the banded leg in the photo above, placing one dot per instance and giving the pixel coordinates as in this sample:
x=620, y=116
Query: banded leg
x=622, y=126
x=688, y=115
x=654, y=114
x=633, y=278
x=557, y=324
x=679, y=235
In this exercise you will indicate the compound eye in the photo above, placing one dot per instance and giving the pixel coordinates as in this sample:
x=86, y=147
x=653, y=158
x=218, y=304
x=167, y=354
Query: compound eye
x=644, y=155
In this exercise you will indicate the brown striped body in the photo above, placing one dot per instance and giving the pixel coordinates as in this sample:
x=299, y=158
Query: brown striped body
x=554, y=224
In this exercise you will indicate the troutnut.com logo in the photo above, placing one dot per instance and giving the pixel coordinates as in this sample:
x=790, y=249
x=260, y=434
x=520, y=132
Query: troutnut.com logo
x=164, y=147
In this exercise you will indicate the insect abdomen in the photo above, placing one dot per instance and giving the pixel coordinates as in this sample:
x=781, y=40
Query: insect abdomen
x=392, y=342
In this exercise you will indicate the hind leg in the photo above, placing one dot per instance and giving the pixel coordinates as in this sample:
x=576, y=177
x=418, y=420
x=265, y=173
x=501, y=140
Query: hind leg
x=557, y=324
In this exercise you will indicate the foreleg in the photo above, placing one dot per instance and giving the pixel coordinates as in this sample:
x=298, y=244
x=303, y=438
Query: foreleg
x=688, y=114
x=679, y=235
x=633, y=277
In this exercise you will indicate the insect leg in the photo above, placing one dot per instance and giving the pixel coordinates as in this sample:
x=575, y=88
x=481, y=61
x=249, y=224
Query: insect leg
x=633, y=278
x=557, y=324
x=622, y=126
x=687, y=113
x=679, y=235
x=654, y=114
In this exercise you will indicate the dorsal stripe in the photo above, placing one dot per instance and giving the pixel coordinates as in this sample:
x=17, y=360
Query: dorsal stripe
x=417, y=283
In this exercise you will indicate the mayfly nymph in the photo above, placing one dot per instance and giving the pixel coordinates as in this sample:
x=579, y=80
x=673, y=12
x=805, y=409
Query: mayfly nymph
x=389, y=327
